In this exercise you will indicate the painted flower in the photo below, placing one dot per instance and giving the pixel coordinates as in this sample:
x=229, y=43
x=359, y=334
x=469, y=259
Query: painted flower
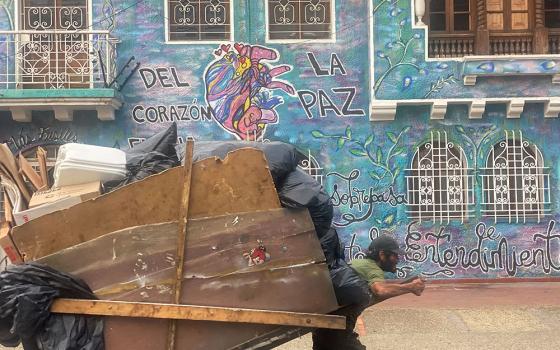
x=406, y=83
x=417, y=36
x=487, y=67
x=394, y=12
x=380, y=54
x=548, y=65
x=442, y=65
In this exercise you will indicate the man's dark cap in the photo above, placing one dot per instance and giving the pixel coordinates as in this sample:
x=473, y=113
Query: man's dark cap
x=385, y=243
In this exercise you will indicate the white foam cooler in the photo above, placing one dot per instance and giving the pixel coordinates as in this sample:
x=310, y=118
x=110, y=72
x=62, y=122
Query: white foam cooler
x=77, y=163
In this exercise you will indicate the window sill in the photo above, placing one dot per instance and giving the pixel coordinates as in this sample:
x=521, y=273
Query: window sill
x=474, y=67
x=21, y=102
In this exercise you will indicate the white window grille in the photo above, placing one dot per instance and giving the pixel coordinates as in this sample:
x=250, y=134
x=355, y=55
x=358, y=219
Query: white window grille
x=439, y=182
x=54, y=14
x=310, y=165
x=515, y=182
x=296, y=20
x=199, y=20
x=52, y=48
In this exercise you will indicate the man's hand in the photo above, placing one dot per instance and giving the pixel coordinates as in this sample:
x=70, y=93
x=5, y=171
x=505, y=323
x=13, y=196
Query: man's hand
x=417, y=286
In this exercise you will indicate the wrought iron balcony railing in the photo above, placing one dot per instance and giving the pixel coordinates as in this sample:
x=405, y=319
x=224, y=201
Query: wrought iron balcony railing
x=54, y=59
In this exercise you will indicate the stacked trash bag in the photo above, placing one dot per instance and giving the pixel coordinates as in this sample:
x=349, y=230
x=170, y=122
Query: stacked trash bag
x=27, y=291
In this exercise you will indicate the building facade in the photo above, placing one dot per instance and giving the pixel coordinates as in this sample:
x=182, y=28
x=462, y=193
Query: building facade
x=432, y=121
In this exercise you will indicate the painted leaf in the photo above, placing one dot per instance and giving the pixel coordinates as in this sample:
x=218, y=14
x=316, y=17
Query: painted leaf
x=389, y=219
x=400, y=150
x=374, y=175
x=378, y=221
x=379, y=154
x=358, y=152
x=460, y=129
x=340, y=143
x=369, y=140
x=396, y=172
x=348, y=132
x=392, y=137
x=317, y=134
x=406, y=129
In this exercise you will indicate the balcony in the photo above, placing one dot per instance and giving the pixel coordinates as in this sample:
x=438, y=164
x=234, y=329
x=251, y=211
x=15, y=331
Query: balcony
x=554, y=42
x=62, y=71
x=500, y=44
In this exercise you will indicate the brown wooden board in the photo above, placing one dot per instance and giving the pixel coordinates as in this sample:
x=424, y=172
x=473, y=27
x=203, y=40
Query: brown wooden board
x=137, y=264
x=196, y=313
x=240, y=183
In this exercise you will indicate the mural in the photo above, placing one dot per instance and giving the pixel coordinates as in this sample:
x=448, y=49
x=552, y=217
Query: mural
x=238, y=85
x=466, y=198
x=401, y=70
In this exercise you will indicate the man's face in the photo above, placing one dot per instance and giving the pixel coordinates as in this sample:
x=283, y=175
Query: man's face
x=388, y=261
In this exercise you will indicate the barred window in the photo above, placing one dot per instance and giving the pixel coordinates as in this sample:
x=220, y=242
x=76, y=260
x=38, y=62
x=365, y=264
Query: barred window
x=439, y=182
x=199, y=20
x=515, y=183
x=300, y=20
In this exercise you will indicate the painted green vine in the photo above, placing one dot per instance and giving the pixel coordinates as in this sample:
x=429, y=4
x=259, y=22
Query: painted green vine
x=384, y=166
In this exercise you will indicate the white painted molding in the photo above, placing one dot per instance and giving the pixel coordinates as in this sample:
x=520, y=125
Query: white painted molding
x=420, y=11
x=106, y=113
x=469, y=80
x=383, y=110
x=63, y=114
x=22, y=115
x=552, y=108
x=515, y=108
x=439, y=108
x=476, y=109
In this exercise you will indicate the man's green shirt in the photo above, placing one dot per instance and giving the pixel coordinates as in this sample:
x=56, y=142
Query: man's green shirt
x=368, y=270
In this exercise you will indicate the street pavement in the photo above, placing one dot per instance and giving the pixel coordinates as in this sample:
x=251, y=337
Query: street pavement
x=462, y=316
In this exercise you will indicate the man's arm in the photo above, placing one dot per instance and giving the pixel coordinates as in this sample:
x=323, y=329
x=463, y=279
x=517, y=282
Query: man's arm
x=384, y=290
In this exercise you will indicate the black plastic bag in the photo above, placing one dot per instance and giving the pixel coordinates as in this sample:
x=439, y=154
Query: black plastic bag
x=150, y=157
x=300, y=190
x=26, y=294
x=333, y=250
x=349, y=287
x=281, y=157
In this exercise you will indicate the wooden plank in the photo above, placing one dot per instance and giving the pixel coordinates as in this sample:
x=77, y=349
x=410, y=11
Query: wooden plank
x=138, y=265
x=9, y=166
x=8, y=209
x=198, y=313
x=42, y=160
x=240, y=183
x=182, y=235
x=30, y=173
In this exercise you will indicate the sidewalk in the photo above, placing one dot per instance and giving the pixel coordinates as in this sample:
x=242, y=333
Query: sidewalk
x=463, y=316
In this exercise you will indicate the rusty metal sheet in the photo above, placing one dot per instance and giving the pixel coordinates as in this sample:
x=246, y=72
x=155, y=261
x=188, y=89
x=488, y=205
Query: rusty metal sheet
x=222, y=268
x=239, y=183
